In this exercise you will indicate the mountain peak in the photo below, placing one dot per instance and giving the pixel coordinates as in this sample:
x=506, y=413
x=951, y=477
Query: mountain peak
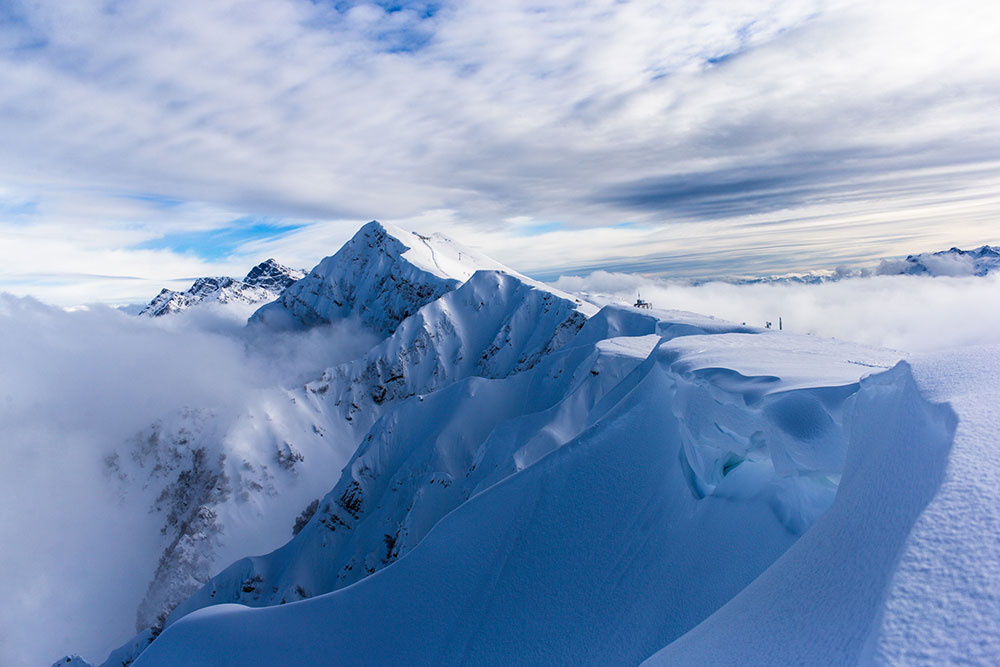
x=383, y=274
x=273, y=276
x=265, y=281
x=433, y=253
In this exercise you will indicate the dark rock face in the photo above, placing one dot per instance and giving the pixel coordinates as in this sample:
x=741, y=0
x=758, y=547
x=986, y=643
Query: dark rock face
x=272, y=276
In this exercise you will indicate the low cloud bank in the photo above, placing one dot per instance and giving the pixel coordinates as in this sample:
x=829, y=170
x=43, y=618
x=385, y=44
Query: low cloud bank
x=909, y=313
x=76, y=558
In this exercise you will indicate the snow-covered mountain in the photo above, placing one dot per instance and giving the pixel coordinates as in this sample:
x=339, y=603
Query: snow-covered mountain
x=206, y=475
x=622, y=488
x=512, y=476
x=265, y=282
x=382, y=276
x=953, y=262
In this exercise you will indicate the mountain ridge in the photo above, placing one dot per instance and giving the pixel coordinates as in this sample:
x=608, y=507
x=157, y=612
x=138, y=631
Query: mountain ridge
x=265, y=282
x=507, y=438
x=382, y=275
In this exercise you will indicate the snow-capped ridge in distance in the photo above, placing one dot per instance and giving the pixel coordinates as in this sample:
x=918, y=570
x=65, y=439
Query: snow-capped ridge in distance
x=272, y=276
x=952, y=262
x=264, y=282
x=383, y=274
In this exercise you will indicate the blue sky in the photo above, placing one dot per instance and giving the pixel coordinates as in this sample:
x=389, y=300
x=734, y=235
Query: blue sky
x=221, y=242
x=156, y=141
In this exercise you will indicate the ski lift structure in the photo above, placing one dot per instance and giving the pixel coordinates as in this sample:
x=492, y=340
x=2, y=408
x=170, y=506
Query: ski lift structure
x=639, y=303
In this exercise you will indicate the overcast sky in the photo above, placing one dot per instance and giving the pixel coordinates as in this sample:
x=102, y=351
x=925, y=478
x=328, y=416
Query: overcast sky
x=143, y=141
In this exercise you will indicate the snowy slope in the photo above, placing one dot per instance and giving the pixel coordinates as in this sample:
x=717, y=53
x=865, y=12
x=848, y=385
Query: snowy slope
x=905, y=567
x=485, y=321
x=382, y=275
x=265, y=282
x=943, y=601
x=822, y=599
x=494, y=325
x=621, y=520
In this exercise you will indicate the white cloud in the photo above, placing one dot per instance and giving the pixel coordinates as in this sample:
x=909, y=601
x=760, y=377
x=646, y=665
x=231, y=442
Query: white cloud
x=907, y=313
x=815, y=117
x=74, y=386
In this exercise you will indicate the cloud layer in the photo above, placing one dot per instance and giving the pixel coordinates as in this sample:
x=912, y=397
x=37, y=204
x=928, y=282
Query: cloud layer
x=76, y=386
x=912, y=314
x=780, y=133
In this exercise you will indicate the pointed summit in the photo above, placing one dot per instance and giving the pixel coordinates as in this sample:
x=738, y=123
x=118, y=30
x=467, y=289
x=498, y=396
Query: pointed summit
x=273, y=276
x=383, y=274
x=265, y=282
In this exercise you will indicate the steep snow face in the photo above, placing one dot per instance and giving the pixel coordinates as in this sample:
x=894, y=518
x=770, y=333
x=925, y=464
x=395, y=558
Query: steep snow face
x=494, y=325
x=383, y=275
x=265, y=282
x=942, y=604
x=821, y=602
x=954, y=262
x=622, y=490
x=421, y=461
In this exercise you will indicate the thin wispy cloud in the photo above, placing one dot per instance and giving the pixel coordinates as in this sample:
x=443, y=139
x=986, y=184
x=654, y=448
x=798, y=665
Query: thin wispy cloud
x=507, y=124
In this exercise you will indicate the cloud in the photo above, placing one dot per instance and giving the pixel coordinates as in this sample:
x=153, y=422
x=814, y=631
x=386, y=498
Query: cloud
x=907, y=313
x=721, y=114
x=74, y=387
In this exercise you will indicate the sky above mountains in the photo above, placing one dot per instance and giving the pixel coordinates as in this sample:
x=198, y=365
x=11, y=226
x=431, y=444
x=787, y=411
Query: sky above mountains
x=142, y=142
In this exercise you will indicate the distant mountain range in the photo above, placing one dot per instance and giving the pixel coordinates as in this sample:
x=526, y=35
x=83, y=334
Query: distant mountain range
x=954, y=262
x=265, y=282
x=945, y=263
x=338, y=282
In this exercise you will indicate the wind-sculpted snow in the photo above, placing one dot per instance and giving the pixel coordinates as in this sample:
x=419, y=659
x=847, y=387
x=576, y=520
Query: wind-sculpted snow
x=587, y=511
x=821, y=601
x=942, y=604
x=382, y=275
